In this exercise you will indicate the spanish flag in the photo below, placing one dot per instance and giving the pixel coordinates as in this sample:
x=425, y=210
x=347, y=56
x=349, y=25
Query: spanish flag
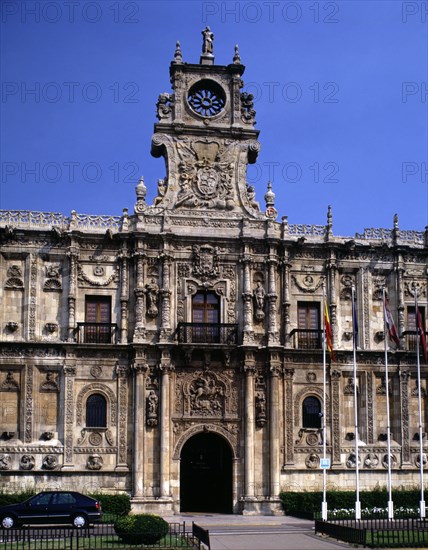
x=328, y=332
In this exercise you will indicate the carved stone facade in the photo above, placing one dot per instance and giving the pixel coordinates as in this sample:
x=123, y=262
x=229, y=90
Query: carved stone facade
x=130, y=342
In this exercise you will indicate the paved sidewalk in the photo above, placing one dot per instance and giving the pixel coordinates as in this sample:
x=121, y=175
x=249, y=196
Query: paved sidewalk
x=236, y=532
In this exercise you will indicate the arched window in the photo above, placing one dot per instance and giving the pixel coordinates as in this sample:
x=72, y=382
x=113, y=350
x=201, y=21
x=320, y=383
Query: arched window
x=311, y=412
x=96, y=411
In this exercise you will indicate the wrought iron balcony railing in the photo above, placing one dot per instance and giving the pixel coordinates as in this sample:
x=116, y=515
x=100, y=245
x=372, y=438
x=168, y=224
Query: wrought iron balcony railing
x=207, y=333
x=96, y=333
x=410, y=339
x=302, y=338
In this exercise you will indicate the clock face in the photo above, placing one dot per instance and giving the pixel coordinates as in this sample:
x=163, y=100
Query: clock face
x=206, y=98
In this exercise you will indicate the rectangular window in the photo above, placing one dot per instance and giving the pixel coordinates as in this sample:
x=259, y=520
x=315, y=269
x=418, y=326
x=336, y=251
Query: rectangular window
x=98, y=329
x=308, y=324
x=411, y=326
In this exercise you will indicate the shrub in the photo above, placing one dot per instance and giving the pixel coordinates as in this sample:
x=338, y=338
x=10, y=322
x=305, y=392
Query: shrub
x=141, y=529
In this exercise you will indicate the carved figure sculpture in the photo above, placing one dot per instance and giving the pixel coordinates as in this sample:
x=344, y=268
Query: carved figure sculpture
x=152, y=409
x=259, y=301
x=161, y=191
x=94, y=462
x=208, y=38
x=260, y=409
x=50, y=462
x=5, y=462
x=27, y=462
x=152, y=291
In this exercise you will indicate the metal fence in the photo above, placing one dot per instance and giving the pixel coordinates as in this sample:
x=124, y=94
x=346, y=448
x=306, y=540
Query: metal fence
x=377, y=532
x=97, y=537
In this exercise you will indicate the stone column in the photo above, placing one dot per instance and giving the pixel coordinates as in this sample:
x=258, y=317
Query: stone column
x=272, y=298
x=139, y=325
x=166, y=369
x=289, y=419
x=335, y=418
x=28, y=404
x=140, y=369
x=249, y=370
x=73, y=254
x=400, y=296
x=275, y=370
x=122, y=418
x=165, y=329
x=331, y=294
x=247, y=301
x=124, y=298
x=31, y=305
x=404, y=403
x=286, y=296
x=69, y=374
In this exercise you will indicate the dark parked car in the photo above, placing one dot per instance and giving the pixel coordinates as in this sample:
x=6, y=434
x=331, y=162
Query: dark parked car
x=52, y=507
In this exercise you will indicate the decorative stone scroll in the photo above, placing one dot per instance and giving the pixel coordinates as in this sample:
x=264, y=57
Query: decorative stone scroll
x=14, y=279
x=50, y=384
x=307, y=283
x=53, y=281
x=9, y=383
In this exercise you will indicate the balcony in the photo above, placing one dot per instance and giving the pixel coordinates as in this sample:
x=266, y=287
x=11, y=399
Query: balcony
x=410, y=339
x=96, y=333
x=207, y=333
x=302, y=338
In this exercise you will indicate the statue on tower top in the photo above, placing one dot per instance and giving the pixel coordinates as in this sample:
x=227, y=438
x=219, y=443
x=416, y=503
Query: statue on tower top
x=207, y=44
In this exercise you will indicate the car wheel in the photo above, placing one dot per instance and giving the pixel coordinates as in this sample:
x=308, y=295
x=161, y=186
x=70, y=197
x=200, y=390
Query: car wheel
x=80, y=521
x=8, y=522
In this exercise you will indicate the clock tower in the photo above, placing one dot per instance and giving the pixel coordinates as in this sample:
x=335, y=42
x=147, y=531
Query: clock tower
x=207, y=137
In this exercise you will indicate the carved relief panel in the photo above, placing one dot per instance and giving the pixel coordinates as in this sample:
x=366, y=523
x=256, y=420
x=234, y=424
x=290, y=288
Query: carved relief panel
x=206, y=393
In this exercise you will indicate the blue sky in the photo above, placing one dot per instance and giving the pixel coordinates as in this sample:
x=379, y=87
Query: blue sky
x=340, y=92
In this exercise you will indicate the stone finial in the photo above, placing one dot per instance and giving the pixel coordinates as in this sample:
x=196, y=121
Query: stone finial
x=236, y=57
x=329, y=221
x=178, y=58
x=141, y=190
x=207, y=57
x=271, y=211
x=270, y=196
x=395, y=221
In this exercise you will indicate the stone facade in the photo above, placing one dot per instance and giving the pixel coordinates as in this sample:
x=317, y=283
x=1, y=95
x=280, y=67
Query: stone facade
x=124, y=339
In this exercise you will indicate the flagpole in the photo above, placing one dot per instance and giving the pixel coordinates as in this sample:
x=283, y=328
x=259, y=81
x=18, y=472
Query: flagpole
x=421, y=445
x=357, y=480
x=388, y=434
x=324, y=432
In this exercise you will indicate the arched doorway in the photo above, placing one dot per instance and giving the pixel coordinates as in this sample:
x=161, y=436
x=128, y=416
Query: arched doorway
x=206, y=475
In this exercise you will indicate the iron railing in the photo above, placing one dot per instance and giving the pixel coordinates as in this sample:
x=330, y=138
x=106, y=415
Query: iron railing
x=377, y=532
x=207, y=333
x=96, y=333
x=410, y=339
x=97, y=537
x=302, y=338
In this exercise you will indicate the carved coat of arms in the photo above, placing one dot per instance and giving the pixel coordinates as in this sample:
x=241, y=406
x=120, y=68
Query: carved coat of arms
x=205, y=262
x=206, y=171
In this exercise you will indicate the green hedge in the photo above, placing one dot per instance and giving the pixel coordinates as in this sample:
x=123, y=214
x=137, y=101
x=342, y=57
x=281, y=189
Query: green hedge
x=117, y=505
x=305, y=503
x=15, y=498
